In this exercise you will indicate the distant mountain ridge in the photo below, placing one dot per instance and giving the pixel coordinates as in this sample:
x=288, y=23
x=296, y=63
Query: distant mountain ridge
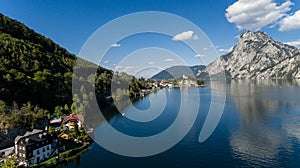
x=178, y=71
x=258, y=56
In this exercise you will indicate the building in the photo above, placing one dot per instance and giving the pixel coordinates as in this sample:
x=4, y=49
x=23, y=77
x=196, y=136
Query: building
x=65, y=135
x=36, y=146
x=56, y=123
x=70, y=121
x=163, y=83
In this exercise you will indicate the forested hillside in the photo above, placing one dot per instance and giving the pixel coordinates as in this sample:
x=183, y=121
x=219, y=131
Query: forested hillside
x=33, y=68
x=36, y=78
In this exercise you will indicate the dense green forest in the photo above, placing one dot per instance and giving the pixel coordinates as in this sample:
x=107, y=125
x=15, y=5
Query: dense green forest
x=36, y=72
x=33, y=68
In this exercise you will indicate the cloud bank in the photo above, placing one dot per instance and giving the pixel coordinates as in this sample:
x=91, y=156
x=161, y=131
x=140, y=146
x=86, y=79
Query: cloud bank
x=256, y=14
x=291, y=22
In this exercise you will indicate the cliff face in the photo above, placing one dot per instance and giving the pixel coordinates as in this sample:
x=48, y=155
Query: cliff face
x=257, y=55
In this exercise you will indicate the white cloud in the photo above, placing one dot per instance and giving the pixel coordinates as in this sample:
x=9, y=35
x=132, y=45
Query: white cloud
x=225, y=51
x=199, y=55
x=205, y=49
x=116, y=45
x=185, y=36
x=291, y=22
x=151, y=62
x=256, y=14
x=294, y=43
x=169, y=60
x=106, y=62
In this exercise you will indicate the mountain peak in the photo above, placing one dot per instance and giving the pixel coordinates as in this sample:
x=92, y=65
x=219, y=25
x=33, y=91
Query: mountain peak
x=249, y=36
x=259, y=56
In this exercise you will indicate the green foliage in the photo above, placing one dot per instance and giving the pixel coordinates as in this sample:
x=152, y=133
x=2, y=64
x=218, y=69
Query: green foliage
x=200, y=83
x=58, y=111
x=32, y=65
x=34, y=69
x=175, y=83
x=75, y=130
x=3, y=106
x=9, y=163
x=27, y=117
x=51, y=130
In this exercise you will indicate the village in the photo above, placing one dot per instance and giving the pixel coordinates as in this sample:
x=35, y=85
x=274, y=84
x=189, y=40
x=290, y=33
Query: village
x=64, y=137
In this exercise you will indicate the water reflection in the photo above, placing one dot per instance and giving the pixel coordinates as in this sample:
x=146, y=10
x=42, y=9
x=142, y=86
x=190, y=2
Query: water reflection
x=263, y=131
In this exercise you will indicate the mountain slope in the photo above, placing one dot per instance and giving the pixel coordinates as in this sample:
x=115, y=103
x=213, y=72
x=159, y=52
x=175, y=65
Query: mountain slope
x=257, y=55
x=33, y=68
x=177, y=72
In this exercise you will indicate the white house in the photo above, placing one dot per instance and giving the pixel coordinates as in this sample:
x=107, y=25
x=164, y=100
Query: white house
x=36, y=146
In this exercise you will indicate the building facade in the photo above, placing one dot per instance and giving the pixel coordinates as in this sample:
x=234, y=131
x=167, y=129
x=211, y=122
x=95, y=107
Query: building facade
x=70, y=121
x=36, y=146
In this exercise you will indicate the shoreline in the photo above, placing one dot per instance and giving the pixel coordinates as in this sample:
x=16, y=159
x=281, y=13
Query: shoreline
x=70, y=155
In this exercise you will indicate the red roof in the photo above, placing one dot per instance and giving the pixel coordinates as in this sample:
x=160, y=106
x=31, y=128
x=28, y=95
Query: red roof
x=72, y=117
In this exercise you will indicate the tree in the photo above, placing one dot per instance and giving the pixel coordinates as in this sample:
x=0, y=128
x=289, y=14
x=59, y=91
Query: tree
x=175, y=83
x=75, y=130
x=9, y=163
x=58, y=111
x=200, y=83
x=3, y=106
x=49, y=116
x=51, y=130
x=73, y=108
x=66, y=109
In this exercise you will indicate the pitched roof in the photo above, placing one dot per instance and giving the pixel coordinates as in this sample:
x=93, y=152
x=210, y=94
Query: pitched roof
x=78, y=117
x=28, y=133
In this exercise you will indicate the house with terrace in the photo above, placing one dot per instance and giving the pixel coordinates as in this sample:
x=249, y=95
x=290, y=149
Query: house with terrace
x=69, y=121
x=36, y=146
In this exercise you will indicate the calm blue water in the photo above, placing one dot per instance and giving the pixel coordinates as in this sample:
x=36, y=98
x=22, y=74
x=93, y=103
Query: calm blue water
x=260, y=127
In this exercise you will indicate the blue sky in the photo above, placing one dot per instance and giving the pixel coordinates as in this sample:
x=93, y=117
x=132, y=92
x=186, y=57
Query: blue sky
x=71, y=22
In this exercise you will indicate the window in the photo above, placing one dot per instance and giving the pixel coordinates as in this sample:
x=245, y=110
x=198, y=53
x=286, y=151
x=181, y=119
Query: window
x=20, y=154
x=20, y=147
x=23, y=148
x=23, y=155
x=38, y=152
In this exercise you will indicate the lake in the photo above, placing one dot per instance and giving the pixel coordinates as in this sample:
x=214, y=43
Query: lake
x=260, y=127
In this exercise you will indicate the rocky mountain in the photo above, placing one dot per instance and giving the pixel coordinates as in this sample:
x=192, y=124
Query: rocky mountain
x=258, y=56
x=178, y=71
